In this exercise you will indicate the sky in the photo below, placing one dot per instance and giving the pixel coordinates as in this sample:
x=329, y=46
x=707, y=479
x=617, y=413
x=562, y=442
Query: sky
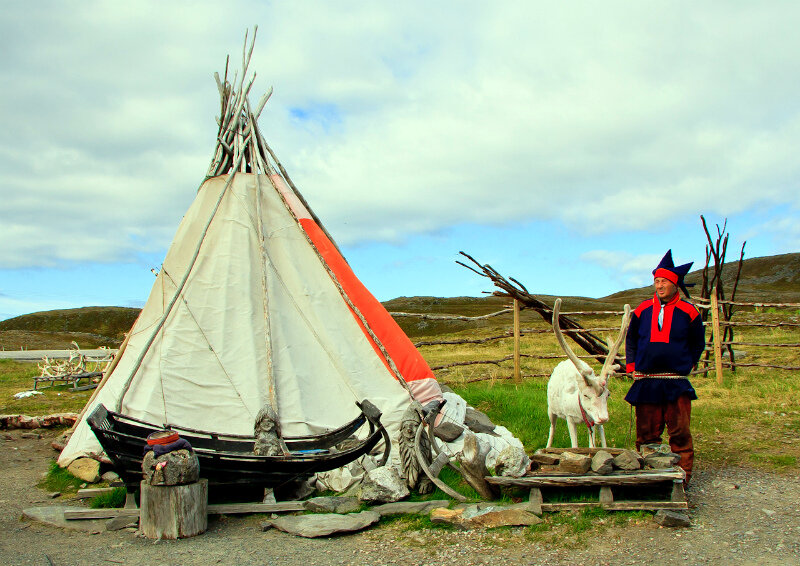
x=568, y=145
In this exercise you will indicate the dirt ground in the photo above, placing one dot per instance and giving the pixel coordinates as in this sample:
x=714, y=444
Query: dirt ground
x=739, y=516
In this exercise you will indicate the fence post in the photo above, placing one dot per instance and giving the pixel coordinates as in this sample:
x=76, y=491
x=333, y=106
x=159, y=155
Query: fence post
x=717, y=337
x=517, y=377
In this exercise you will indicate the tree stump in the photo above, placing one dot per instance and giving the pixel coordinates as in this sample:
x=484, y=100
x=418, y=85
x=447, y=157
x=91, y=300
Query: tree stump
x=173, y=511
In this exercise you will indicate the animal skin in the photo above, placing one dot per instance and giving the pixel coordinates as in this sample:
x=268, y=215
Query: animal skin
x=573, y=385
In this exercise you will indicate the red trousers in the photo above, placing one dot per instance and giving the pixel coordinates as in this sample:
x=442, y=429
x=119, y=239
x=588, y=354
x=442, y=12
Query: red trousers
x=650, y=421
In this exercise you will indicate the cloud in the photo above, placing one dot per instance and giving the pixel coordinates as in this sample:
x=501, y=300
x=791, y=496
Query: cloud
x=397, y=120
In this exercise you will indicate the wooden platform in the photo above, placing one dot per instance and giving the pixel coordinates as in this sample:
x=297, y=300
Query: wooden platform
x=670, y=480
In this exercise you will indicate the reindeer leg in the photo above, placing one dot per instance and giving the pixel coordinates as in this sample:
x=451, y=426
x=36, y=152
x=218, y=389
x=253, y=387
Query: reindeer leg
x=553, y=420
x=602, y=436
x=573, y=432
x=591, y=437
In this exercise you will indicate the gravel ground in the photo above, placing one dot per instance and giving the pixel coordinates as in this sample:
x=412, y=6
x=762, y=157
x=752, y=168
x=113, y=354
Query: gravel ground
x=739, y=516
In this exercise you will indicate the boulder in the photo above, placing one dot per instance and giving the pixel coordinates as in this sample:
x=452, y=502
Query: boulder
x=476, y=516
x=602, y=462
x=410, y=507
x=333, y=504
x=574, y=463
x=628, y=460
x=86, y=469
x=383, y=485
x=667, y=518
x=512, y=462
x=312, y=526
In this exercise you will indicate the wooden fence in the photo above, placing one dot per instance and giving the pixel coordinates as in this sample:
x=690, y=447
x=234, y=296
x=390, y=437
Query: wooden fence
x=713, y=360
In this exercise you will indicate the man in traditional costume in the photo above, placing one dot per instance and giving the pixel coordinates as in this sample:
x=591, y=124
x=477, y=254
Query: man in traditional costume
x=665, y=340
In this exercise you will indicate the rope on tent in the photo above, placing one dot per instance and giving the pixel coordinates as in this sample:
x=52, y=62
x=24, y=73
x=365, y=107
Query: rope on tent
x=174, y=299
x=210, y=347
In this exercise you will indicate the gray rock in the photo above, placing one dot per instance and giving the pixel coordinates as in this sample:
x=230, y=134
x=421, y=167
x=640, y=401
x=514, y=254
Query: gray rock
x=333, y=504
x=628, y=460
x=478, y=422
x=448, y=431
x=54, y=516
x=672, y=519
x=658, y=449
x=322, y=525
x=112, y=478
x=445, y=388
x=602, y=462
x=574, y=463
x=121, y=522
x=180, y=468
x=383, y=485
x=410, y=507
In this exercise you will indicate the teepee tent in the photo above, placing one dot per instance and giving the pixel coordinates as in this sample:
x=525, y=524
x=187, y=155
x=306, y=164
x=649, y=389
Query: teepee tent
x=254, y=305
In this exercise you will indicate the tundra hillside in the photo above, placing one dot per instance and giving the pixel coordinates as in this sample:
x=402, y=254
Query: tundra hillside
x=753, y=418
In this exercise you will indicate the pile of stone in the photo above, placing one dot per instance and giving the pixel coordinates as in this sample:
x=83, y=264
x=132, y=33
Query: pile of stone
x=603, y=462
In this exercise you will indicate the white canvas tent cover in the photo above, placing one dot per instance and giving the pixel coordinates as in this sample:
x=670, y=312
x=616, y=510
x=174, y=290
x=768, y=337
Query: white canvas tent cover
x=254, y=305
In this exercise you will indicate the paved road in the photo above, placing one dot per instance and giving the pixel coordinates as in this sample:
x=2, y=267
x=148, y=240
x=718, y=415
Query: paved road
x=37, y=355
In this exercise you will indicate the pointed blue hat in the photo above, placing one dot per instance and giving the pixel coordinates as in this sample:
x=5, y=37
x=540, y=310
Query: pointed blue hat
x=668, y=270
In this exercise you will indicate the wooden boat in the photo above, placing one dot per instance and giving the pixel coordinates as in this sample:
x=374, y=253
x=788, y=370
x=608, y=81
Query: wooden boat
x=227, y=459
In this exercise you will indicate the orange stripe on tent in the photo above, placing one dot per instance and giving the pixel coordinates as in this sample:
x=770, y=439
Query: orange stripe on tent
x=409, y=361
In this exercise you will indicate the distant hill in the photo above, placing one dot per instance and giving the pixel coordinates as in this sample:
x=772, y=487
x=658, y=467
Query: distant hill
x=763, y=279
x=770, y=279
x=105, y=324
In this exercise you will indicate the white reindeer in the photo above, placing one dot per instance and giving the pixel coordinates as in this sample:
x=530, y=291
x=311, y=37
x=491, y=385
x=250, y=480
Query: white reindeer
x=575, y=393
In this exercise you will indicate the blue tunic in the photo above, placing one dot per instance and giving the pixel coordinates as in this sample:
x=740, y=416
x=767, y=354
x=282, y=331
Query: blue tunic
x=674, y=348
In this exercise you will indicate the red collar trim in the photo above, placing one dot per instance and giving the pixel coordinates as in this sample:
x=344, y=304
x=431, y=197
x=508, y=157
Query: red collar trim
x=666, y=274
x=662, y=334
x=586, y=419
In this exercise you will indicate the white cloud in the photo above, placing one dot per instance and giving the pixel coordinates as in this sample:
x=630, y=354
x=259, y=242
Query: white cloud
x=424, y=116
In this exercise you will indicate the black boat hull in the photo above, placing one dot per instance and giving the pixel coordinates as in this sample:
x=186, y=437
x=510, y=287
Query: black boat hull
x=228, y=459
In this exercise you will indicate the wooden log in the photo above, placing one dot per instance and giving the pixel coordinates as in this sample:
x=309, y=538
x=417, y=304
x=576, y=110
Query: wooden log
x=173, y=511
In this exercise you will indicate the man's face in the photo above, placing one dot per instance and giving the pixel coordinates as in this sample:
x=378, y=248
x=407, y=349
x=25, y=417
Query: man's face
x=665, y=289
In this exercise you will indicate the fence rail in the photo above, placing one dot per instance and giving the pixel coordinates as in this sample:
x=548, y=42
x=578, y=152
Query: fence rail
x=707, y=365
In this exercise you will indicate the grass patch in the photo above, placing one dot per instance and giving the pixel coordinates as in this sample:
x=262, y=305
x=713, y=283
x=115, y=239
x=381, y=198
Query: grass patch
x=59, y=479
x=109, y=500
x=18, y=376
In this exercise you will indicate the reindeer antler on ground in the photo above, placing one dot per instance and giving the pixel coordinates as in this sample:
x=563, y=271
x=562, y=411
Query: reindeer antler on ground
x=592, y=344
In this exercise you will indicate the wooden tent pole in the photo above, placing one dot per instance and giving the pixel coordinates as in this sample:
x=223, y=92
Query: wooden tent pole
x=516, y=342
x=717, y=337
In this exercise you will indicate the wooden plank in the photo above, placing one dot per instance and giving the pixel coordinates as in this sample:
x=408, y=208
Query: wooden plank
x=550, y=480
x=617, y=506
x=234, y=508
x=100, y=513
x=93, y=492
x=606, y=496
x=535, y=501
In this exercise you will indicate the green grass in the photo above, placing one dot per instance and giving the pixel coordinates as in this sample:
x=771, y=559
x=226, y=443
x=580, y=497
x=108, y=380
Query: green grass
x=18, y=376
x=59, y=479
x=109, y=500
